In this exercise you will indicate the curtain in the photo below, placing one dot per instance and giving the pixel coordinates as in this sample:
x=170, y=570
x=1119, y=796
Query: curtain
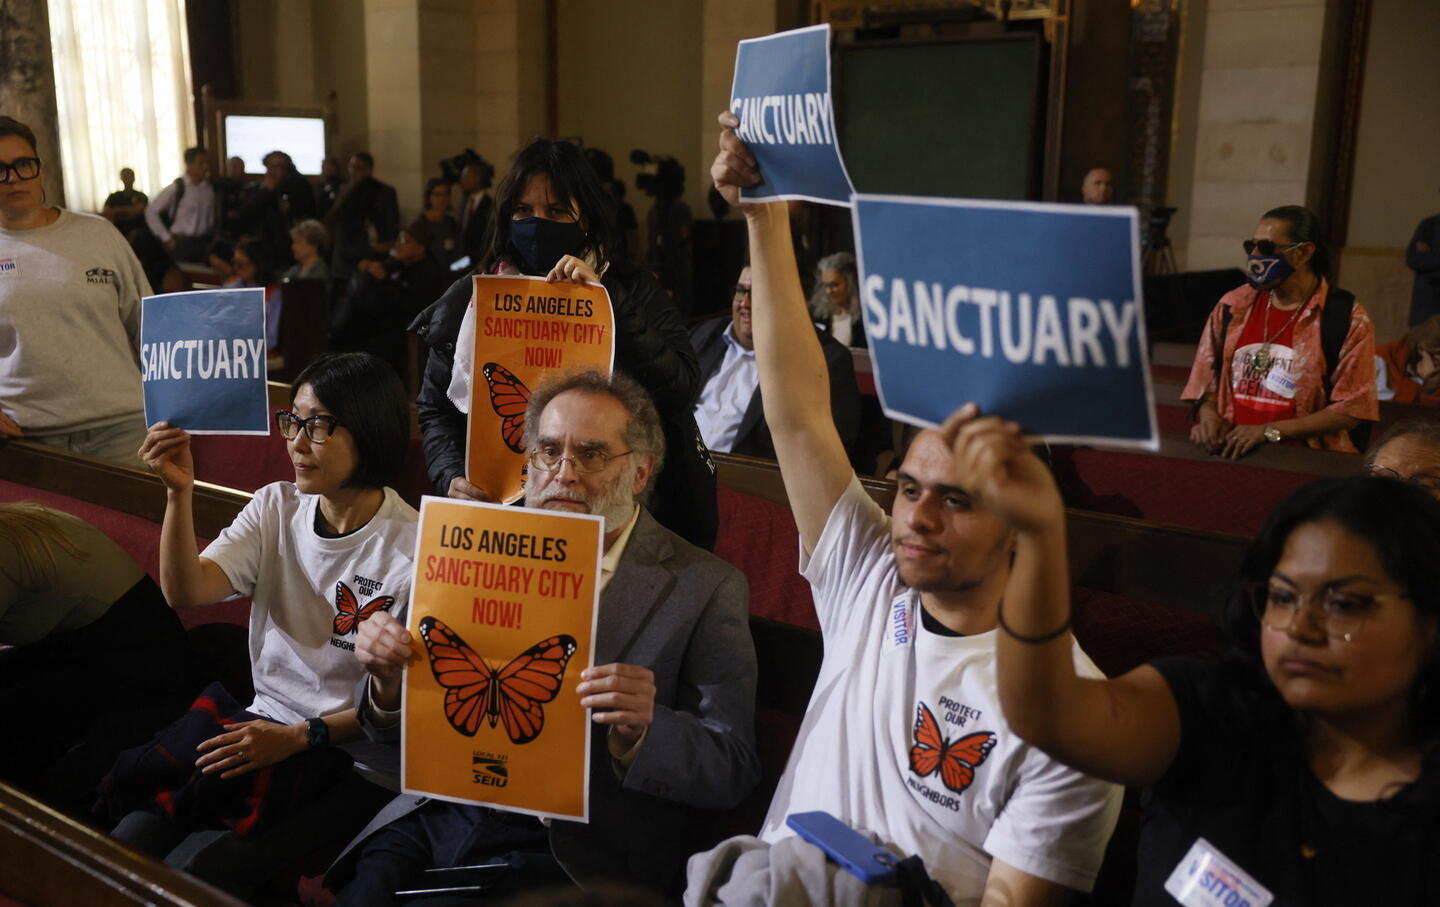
x=122, y=87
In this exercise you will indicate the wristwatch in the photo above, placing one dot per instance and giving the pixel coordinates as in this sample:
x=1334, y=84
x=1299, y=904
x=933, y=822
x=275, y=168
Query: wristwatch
x=1272, y=434
x=318, y=733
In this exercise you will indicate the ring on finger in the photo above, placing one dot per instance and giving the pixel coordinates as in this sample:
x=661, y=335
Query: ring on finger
x=240, y=754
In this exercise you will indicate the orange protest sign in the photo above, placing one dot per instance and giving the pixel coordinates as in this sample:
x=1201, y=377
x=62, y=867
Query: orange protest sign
x=525, y=327
x=503, y=617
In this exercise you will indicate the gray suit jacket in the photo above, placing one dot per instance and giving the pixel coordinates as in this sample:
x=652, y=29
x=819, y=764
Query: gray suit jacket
x=683, y=613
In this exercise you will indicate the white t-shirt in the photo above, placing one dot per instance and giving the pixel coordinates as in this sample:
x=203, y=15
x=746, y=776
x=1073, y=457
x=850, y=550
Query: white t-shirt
x=853, y=754
x=303, y=668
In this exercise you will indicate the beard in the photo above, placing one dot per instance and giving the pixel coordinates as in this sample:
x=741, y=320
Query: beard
x=615, y=502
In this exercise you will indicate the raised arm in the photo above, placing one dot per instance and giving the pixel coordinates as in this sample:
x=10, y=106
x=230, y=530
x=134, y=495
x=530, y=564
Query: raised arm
x=794, y=383
x=186, y=578
x=1125, y=730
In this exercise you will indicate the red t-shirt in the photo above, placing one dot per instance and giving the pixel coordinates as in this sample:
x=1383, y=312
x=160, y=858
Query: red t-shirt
x=1262, y=380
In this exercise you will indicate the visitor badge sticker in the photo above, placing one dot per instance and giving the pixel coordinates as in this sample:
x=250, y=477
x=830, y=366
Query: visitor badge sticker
x=1031, y=310
x=202, y=361
x=502, y=612
x=1207, y=878
x=781, y=93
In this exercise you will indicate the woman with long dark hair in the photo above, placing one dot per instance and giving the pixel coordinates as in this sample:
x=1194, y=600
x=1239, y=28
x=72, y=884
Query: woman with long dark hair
x=1287, y=358
x=553, y=218
x=1305, y=764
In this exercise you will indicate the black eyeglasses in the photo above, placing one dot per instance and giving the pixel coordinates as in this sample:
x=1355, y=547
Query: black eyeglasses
x=1424, y=481
x=1267, y=246
x=549, y=459
x=24, y=168
x=317, y=428
x=739, y=291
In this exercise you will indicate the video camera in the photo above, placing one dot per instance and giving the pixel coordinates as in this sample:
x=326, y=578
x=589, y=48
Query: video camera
x=1157, y=222
x=450, y=167
x=668, y=180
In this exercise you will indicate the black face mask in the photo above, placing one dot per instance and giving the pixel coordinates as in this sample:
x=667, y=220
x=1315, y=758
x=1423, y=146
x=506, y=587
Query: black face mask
x=540, y=243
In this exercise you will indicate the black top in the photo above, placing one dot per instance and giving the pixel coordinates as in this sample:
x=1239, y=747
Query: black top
x=1242, y=782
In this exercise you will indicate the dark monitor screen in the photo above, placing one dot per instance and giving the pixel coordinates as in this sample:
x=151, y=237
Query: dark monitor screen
x=949, y=118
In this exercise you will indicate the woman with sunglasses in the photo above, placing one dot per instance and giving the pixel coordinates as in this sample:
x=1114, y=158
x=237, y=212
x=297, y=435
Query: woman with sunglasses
x=317, y=556
x=1304, y=764
x=1261, y=372
x=553, y=218
x=68, y=282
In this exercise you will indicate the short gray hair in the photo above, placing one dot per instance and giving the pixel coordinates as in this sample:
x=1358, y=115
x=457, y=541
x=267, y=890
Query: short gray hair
x=312, y=231
x=643, y=433
x=1426, y=429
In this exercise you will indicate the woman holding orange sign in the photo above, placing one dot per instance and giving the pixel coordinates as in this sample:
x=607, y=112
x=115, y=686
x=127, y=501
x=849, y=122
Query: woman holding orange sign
x=554, y=218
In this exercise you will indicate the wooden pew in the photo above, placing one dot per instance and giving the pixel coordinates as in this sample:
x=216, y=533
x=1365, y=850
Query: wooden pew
x=1124, y=556
x=304, y=323
x=49, y=860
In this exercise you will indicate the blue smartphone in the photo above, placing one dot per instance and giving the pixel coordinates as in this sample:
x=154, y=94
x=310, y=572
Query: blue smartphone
x=864, y=859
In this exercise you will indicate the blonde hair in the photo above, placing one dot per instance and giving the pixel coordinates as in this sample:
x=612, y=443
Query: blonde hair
x=34, y=531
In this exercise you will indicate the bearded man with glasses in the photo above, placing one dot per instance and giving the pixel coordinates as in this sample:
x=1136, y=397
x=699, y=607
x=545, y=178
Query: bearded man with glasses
x=70, y=290
x=672, y=695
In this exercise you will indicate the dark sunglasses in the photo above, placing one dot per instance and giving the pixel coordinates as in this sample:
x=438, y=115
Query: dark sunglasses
x=24, y=168
x=1267, y=246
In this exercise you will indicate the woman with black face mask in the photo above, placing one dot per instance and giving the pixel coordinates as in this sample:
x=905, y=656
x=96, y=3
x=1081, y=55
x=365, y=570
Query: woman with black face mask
x=1286, y=359
x=554, y=219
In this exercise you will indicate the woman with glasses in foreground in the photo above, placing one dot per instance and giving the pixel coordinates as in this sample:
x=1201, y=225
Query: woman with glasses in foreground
x=1287, y=358
x=317, y=556
x=1301, y=766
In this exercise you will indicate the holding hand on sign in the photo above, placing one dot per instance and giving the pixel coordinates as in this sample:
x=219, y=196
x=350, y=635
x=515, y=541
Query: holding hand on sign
x=734, y=166
x=382, y=646
x=997, y=467
x=573, y=269
x=167, y=452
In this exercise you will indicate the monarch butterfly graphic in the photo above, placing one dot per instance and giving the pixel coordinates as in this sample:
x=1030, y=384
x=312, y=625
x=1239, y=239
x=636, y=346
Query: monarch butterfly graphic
x=349, y=613
x=474, y=691
x=955, y=759
x=508, y=397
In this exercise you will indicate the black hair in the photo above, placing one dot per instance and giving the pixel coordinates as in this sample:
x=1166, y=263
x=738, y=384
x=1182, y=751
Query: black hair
x=284, y=158
x=365, y=158
x=368, y=398
x=192, y=153
x=1303, y=226
x=259, y=255
x=430, y=185
x=572, y=179
x=221, y=248
x=1403, y=524
x=11, y=126
x=421, y=231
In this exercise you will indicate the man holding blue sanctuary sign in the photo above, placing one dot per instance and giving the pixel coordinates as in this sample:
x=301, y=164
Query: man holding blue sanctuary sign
x=904, y=739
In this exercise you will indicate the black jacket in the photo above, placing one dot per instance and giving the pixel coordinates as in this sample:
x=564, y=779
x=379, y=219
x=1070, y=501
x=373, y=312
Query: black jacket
x=650, y=345
x=753, y=438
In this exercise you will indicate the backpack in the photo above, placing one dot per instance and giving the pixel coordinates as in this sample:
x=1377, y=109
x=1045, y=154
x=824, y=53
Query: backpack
x=1334, y=325
x=167, y=217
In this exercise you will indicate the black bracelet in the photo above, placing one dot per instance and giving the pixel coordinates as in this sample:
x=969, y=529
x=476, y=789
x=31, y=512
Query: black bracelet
x=1030, y=640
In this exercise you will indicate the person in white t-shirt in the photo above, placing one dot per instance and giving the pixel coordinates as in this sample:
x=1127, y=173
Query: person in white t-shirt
x=317, y=556
x=904, y=739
